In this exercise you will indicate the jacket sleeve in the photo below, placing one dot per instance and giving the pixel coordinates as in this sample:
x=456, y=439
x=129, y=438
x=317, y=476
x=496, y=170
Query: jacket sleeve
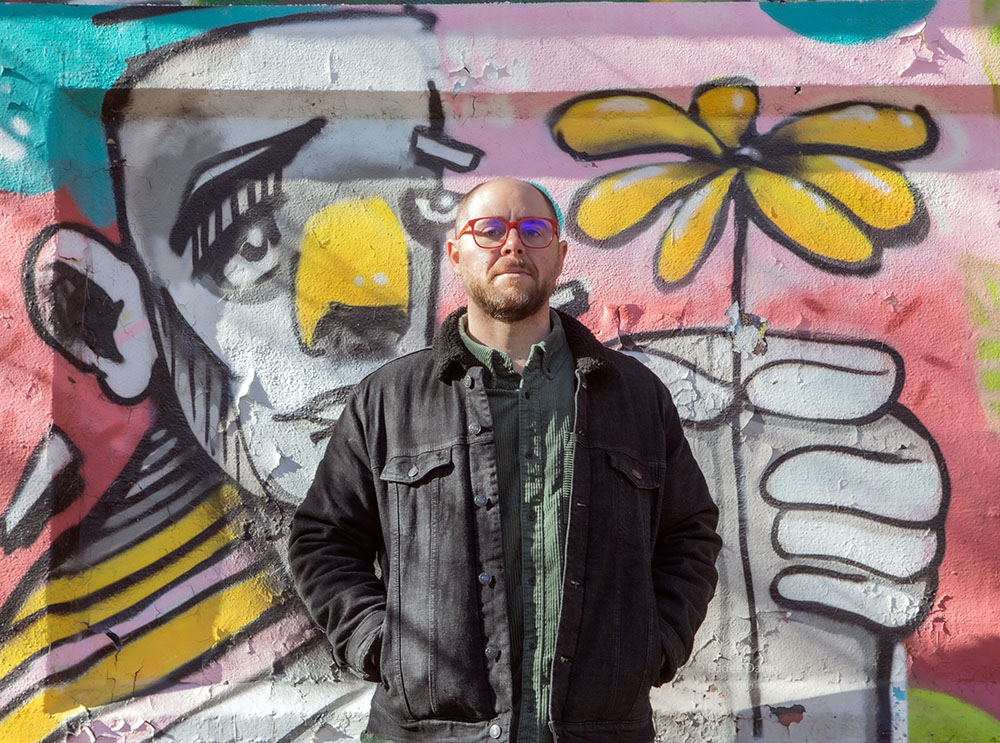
x=335, y=537
x=686, y=547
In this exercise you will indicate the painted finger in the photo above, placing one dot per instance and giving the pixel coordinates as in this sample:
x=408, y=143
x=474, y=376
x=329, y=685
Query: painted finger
x=890, y=551
x=822, y=380
x=876, y=603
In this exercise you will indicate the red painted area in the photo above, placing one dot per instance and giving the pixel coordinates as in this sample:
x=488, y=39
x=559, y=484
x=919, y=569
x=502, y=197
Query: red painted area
x=43, y=388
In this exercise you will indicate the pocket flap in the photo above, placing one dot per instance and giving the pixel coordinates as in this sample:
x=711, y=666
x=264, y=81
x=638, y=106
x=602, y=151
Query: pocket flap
x=408, y=469
x=638, y=473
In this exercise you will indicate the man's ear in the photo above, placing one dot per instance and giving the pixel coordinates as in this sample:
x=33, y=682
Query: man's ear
x=86, y=302
x=453, y=256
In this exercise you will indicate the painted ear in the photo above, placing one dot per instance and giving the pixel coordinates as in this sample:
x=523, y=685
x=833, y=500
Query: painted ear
x=86, y=302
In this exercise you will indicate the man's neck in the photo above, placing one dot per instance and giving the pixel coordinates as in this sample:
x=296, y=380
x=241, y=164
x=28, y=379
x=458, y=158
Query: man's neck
x=514, y=339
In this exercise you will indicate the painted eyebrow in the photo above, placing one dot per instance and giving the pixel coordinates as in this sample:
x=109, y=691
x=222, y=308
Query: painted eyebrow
x=232, y=182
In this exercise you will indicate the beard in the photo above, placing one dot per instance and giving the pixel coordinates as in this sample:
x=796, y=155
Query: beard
x=509, y=304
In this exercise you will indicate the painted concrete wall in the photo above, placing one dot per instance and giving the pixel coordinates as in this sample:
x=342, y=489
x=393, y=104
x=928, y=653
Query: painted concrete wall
x=215, y=222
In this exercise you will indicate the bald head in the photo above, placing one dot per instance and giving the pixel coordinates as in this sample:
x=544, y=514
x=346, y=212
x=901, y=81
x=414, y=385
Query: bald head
x=502, y=184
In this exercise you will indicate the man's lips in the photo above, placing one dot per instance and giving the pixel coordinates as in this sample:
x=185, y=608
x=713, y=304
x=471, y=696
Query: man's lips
x=511, y=269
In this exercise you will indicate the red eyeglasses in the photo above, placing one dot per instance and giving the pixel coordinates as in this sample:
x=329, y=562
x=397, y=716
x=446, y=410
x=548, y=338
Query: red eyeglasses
x=492, y=232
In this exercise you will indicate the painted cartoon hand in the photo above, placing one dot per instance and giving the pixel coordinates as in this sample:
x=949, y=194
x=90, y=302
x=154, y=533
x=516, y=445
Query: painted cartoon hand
x=839, y=492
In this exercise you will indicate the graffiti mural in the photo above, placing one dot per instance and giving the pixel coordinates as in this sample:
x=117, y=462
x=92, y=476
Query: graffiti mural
x=214, y=234
x=834, y=493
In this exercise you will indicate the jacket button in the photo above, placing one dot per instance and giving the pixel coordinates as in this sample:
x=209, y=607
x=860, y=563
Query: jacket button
x=412, y=471
x=485, y=578
x=495, y=731
x=469, y=381
x=492, y=653
x=636, y=474
x=475, y=428
x=480, y=500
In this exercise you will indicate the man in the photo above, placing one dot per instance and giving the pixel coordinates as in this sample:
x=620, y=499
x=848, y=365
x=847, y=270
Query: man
x=546, y=541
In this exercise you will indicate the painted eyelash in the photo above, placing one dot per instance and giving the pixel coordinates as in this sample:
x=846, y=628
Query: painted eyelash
x=227, y=211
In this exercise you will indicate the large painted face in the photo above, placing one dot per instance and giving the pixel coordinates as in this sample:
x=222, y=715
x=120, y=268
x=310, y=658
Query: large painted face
x=278, y=234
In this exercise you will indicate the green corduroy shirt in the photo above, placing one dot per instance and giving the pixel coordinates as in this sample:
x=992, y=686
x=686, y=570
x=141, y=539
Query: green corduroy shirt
x=533, y=425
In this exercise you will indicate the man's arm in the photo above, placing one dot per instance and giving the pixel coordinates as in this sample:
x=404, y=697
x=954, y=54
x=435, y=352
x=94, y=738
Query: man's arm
x=335, y=536
x=684, y=574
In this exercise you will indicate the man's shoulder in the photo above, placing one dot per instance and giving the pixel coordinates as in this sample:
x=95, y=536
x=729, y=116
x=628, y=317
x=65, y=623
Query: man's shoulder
x=409, y=366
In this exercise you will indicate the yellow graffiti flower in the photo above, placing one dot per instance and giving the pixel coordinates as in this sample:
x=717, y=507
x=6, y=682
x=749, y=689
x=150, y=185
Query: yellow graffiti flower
x=820, y=183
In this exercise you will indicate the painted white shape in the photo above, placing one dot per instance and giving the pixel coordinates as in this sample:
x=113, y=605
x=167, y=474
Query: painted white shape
x=898, y=693
x=807, y=390
x=861, y=112
x=54, y=454
x=20, y=126
x=883, y=602
x=380, y=279
x=891, y=550
x=441, y=151
x=909, y=491
x=10, y=148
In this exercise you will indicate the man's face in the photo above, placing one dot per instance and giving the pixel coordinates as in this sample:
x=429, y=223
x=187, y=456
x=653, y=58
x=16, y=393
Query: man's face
x=512, y=282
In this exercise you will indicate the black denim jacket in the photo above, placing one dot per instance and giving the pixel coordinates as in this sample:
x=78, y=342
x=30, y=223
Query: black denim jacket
x=409, y=478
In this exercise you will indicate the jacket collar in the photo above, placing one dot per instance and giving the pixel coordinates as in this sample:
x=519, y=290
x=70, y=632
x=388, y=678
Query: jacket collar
x=452, y=358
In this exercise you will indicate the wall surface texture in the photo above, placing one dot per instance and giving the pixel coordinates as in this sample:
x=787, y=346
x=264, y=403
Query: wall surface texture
x=215, y=221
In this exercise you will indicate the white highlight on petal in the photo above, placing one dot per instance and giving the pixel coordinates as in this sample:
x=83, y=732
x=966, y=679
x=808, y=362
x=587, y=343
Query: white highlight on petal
x=906, y=119
x=738, y=97
x=861, y=173
x=624, y=103
x=359, y=280
x=689, y=208
x=636, y=176
x=380, y=279
x=863, y=113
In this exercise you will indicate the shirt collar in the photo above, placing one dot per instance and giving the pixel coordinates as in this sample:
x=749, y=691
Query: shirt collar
x=548, y=354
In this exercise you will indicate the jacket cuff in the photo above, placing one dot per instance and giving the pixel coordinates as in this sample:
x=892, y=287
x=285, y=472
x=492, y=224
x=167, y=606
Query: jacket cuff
x=364, y=649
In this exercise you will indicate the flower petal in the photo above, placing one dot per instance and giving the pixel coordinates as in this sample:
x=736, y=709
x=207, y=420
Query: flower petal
x=728, y=110
x=694, y=229
x=798, y=216
x=876, y=194
x=620, y=201
x=868, y=127
x=593, y=127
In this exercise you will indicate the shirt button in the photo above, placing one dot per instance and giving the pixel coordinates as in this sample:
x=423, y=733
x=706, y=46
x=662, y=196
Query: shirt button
x=528, y=455
x=531, y=580
x=480, y=500
x=527, y=395
x=485, y=578
x=492, y=653
x=495, y=731
x=475, y=428
x=531, y=515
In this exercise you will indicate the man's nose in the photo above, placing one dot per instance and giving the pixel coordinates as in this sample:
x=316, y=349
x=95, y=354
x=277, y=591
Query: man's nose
x=513, y=243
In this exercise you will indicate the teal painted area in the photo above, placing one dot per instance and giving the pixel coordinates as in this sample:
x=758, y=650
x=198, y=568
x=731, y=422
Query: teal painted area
x=55, y=66
x=848, y=22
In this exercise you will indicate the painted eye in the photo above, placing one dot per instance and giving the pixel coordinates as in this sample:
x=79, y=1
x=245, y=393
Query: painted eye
x=252, y=244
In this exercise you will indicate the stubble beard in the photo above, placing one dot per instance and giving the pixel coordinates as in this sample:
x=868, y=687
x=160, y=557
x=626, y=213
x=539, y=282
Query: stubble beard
x=510, y=304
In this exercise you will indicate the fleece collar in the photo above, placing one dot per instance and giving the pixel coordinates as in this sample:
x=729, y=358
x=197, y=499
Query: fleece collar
x=452, y=358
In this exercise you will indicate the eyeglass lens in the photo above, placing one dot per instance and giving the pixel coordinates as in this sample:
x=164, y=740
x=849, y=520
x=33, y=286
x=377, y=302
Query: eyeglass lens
x=490, y=232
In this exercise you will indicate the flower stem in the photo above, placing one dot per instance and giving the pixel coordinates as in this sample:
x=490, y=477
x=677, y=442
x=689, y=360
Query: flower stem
x=738, y=294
